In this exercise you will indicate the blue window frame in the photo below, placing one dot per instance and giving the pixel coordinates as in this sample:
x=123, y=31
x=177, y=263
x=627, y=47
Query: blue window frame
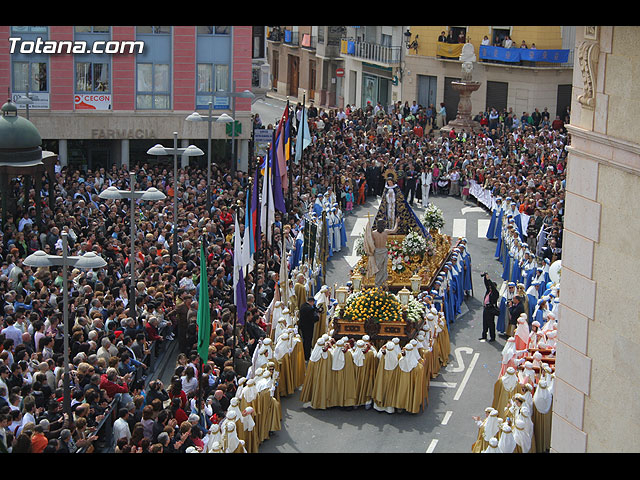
x=153, y=68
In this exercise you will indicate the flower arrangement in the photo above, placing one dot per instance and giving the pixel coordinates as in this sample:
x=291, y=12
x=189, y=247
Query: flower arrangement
x=397, y=256
x=415, y=310
x=360, y=245
x=431, y=247
x=414, y=244
x=374, y=303
x=433, y=217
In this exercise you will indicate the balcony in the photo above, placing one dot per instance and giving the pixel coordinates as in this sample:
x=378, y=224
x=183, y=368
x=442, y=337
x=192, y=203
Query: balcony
x=370, y=52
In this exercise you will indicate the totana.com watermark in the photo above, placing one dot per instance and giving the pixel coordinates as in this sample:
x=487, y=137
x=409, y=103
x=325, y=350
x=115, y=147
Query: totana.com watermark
x=18, y=45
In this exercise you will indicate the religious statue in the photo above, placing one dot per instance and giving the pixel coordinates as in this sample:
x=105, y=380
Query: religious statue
x=394, y=207
x=381, y=254
x=467, y=57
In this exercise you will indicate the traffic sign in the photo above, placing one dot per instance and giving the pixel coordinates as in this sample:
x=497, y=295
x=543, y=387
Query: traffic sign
x=339, y=72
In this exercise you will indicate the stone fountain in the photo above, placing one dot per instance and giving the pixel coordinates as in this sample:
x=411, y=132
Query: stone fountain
x=465, y=87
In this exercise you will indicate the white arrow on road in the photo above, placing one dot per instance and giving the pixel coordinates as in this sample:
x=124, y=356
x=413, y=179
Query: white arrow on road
x=352, y=259
x=471, y=209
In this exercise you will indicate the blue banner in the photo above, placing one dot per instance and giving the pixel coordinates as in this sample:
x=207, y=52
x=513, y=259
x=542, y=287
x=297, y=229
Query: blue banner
x=514, y=55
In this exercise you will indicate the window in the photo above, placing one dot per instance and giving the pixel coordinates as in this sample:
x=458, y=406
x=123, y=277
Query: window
x=210, y=78
x=154, y=30
x=29, y=29
x=91, y=29
x=499, y=34
x=92, y=77
x=33, y=74
x=153, y=90
x=257, y=50
x=211, y=30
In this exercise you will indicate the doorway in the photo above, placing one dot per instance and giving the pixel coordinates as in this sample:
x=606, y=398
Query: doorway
x=274, y=70
x=427, y=89
x=294, y=75
x=312, y=79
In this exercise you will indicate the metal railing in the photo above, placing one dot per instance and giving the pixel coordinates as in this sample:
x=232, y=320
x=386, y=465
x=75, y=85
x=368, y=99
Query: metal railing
x=372, y=52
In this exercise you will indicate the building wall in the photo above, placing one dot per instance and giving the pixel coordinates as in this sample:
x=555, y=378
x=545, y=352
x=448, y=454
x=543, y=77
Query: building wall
x=123, y=122
x=544, y=36
x=124, y=71
x=596, y=403
x=529, y=87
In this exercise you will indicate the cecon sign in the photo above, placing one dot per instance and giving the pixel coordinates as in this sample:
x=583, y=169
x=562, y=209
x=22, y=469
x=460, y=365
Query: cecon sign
x=92, y=101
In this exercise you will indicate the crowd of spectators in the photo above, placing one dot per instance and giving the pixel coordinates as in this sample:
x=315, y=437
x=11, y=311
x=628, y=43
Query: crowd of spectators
x=112, y=341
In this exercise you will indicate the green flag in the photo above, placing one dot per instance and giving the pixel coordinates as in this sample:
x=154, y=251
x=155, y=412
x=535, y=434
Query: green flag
x=204, y=320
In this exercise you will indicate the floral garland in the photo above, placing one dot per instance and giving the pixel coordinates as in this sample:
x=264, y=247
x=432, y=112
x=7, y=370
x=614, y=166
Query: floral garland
x=374, y=303
x=433, y=217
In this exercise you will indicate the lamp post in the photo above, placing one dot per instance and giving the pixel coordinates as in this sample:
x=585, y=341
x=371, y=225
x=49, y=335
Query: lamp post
x=233, y=94
x=150, y=194
x=87, y=261
x=190, y=151
x=196, y=117
x=25, y=100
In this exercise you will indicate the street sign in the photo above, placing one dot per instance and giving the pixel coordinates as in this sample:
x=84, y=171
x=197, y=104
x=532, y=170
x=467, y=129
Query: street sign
x=238, y=128
x=339, y=72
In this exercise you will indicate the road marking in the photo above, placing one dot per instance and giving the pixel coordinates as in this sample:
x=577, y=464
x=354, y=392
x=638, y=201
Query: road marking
x=471, y=209
x=358, y=227
x=459, y=361
x=354, y=258
x=466, y=377
x=443, y=384
x=446, y=418
x=459, y=228
x=432, y=446
x=483, y=226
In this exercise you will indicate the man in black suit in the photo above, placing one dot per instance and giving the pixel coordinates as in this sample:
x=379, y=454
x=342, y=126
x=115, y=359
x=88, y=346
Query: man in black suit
x=515, y=310
x=490, y=308
x=308, y=318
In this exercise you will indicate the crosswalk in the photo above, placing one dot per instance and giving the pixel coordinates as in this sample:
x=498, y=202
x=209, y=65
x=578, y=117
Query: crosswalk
x=464, y=226
x=458, y=227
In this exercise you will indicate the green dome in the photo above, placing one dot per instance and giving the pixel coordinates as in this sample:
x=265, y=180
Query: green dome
x=20, y=141
x=17, y=132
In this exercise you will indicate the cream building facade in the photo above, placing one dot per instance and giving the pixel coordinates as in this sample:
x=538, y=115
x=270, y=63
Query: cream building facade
x=596, y=405
x=425, y=76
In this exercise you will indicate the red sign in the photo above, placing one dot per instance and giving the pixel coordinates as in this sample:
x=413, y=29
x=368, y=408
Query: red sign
x=339, y=72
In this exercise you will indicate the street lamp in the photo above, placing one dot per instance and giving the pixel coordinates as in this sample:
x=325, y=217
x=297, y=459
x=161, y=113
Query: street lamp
x=25, y=100
x=151, y=194
x=87, y=261
x=233, y=94
x=196, y=117
x=190, y=151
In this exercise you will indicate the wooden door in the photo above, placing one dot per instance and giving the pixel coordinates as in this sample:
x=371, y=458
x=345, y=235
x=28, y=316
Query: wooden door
x=294, y=75
x=312, y=80
x=274, y=70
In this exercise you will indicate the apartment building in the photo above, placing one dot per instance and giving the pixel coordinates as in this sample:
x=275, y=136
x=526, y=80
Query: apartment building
x=103, y=95
x=359, y=65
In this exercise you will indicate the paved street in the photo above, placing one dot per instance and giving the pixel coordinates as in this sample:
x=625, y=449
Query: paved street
x=462, y=390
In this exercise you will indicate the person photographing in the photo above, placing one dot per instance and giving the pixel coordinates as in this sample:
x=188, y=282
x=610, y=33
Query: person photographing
x=490, y=308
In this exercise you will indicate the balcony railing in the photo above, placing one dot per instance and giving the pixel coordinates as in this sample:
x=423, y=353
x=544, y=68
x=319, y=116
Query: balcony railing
x=372, y=52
